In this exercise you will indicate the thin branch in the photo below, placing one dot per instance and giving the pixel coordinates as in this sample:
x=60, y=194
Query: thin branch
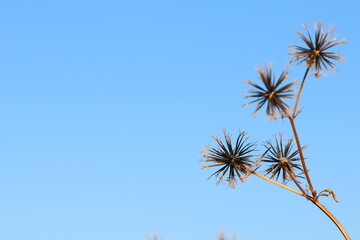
x=296, y=135
x=279, y=184
x=302, y=156
x=291, y=174
x=300, y=91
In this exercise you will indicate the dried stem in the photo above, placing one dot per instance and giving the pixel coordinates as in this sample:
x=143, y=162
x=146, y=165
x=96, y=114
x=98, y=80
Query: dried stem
x=302, y=159
x=291, y=174
x=297, y=140
x=314, y=198
x=315, y=201
x=300, y=91
x=335, y=221
x=279, y=184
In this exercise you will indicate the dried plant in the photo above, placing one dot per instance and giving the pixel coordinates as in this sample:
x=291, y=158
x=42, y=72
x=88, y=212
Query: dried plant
x=279, y=158
x=284, y=161
x=273, y=93
x=235, y=160
x=315, y=55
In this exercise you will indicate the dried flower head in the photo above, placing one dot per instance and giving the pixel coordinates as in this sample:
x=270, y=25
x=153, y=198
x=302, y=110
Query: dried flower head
x=234, y=160
x=283, y=160
x=315, y=54
x=273, y=93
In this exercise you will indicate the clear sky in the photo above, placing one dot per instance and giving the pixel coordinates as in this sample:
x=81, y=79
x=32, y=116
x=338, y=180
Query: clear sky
x=104, y=107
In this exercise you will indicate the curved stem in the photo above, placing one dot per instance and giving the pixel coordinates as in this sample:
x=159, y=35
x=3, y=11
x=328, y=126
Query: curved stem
x=302, y=156
x=314, y=198
x=279, y=184
x=300, y=91
x=335, y=221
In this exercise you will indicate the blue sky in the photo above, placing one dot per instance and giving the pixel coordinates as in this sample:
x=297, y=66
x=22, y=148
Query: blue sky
x=105, y=106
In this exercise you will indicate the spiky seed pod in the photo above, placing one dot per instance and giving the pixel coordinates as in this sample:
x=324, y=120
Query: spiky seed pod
x=283, y=160
x=232, y=160
x=316, y=54
x=273, y=93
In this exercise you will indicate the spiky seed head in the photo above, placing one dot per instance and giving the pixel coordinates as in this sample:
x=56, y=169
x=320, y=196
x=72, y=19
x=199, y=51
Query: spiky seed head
x=233, y=160
x=283, y=161
x=316, y=54
x=273, y=93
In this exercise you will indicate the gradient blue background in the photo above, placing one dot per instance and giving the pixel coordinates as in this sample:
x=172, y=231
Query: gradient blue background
x=104, y=107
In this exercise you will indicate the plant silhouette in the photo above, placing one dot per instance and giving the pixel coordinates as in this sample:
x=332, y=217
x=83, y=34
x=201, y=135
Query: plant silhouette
x=237, y=161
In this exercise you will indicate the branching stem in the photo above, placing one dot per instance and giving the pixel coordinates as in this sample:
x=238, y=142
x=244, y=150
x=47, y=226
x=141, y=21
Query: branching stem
x=314, y=198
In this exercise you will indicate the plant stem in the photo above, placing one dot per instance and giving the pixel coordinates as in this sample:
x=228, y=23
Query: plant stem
x=314, y=198
x=300, y=91
x=279, y=184
x=291, y=174
x=335, y=221
x=315, y=201
x=291, y=119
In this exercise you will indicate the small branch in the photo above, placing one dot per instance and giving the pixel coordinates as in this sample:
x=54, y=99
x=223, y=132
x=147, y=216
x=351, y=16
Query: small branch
x=279, y=184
